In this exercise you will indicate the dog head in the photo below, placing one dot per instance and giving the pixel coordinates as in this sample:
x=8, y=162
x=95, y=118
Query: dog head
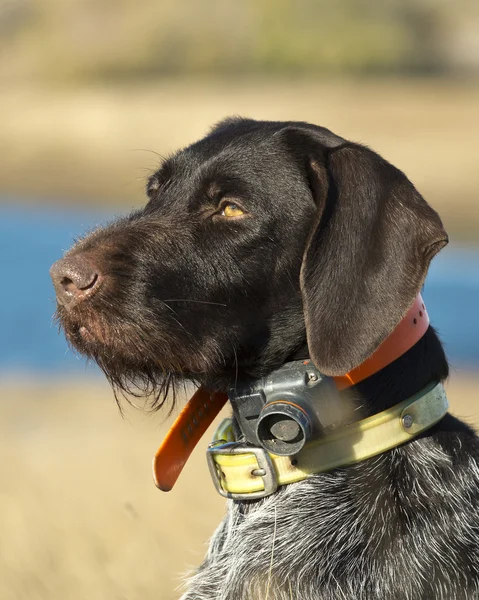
x=256, y=239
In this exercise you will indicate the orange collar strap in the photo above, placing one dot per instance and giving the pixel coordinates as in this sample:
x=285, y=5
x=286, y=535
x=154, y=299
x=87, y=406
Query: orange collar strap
x=187, y=430
x=409, y=331
x=203, y=407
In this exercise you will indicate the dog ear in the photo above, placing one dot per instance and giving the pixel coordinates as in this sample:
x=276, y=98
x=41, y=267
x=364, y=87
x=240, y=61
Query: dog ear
x=368, y=251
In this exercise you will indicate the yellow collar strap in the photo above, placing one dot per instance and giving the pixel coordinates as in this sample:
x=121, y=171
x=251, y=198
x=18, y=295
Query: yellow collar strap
x=245, y=472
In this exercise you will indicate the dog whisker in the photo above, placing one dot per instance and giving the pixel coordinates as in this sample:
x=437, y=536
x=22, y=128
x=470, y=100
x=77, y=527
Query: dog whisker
x=161, y=156
x=195, y=301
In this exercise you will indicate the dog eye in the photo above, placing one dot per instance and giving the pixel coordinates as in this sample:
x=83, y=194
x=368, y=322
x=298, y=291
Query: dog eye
x=231, y=210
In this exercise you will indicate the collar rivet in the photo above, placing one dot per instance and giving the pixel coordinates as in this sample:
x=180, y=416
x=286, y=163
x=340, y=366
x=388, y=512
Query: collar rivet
x=407, y=421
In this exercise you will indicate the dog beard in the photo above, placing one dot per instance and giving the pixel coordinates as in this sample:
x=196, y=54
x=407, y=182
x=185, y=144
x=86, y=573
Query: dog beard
x=137, y=357
x=119, y=349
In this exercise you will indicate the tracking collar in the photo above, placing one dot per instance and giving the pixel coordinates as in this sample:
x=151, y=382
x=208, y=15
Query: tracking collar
x=243, y=472
x=301, y=421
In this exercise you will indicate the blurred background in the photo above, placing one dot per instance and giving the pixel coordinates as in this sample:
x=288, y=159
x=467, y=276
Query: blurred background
x=92, y=94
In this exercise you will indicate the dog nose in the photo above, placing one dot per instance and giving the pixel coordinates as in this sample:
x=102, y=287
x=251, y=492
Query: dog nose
x=74, y=278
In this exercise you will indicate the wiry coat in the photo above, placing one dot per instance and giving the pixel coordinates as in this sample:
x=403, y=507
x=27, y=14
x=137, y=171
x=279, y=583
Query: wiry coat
x=330, y=249
x=403, y=525
x=355, y=534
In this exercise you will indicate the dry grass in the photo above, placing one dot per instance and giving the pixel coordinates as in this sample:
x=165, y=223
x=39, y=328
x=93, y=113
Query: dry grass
x=79, y=514
x=85, y=143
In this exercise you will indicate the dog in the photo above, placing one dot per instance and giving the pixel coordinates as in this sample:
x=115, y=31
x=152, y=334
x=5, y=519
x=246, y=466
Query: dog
x=261, y=243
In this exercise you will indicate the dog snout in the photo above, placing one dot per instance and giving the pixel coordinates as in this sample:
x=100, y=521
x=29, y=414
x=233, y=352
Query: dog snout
x=75, y=279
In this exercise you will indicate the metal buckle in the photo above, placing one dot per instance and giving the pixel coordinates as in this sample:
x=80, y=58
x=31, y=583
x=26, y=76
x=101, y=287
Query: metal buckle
x=265, y=469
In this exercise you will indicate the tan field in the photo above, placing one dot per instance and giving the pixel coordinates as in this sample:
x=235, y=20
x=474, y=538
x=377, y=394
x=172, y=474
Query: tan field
x=80, y=517
x=99, y=143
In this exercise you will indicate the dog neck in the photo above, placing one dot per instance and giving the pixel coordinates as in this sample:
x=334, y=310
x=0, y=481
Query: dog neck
x=296, y=404
x=402, y=378
x=401, y=401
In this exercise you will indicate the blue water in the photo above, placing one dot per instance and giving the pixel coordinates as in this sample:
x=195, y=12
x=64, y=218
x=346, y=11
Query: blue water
x=31, y=239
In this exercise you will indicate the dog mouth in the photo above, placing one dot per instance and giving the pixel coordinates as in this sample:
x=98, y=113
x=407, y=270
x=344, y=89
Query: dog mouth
x=90, y=335
x=87, y=332
x=81, y=333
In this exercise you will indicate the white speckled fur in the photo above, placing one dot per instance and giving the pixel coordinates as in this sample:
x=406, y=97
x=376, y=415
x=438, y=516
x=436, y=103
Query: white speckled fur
x=394, y=527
